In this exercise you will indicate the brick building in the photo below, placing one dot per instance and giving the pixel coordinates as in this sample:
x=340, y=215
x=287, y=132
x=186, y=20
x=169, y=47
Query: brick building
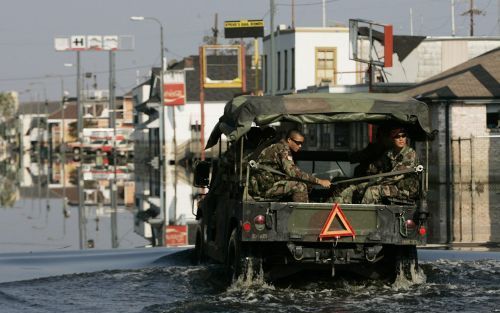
x=464, y=195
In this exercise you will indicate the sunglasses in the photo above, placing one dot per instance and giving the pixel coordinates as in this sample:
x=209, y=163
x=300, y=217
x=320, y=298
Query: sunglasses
x=297, y=142
x=399, y=136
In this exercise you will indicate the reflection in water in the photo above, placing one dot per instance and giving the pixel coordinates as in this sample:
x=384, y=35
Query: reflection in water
x=41, y=207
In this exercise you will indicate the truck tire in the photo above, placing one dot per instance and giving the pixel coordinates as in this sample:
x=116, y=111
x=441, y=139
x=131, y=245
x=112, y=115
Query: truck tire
x=407, y=262
x=198, y=256
x=234, y=259
x=76, y=150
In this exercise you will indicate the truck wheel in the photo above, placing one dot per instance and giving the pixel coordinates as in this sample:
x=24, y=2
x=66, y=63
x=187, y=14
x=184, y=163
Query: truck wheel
x=76, y=150
x=198, y=257
x=407, y=262
x=234, y=261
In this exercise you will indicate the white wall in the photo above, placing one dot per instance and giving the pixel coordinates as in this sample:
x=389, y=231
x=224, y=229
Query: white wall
x=305, y=40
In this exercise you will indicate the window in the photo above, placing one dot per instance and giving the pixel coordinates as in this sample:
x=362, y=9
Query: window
x=326, y=66
x=285, y=75
x=278, y=61
x=493, y=116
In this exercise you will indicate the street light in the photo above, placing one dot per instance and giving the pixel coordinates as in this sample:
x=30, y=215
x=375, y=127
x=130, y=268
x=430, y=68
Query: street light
x=162, y=121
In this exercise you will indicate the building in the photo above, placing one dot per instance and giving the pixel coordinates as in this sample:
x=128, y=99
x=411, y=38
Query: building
x=465, y=168
x=320, y=56
x=177, y=188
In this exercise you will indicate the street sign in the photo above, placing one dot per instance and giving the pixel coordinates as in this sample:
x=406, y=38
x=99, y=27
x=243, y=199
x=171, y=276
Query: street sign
x=94, y=43
x=78, y=42
x=244, y=29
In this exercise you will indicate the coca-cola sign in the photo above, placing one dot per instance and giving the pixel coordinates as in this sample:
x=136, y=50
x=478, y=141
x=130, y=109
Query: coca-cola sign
x=174, y=94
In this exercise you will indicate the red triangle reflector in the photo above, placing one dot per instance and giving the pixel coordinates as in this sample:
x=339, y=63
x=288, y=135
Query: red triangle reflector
x=346, y=231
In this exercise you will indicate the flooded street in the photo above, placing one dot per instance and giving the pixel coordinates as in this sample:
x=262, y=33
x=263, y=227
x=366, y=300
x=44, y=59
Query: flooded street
x=170, y=284
x=59, y=256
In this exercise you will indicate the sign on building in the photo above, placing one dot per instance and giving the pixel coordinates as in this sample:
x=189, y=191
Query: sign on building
x=174, y=88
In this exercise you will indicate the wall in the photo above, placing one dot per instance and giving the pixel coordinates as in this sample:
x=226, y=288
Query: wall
x=305, y=40
x=476, y=166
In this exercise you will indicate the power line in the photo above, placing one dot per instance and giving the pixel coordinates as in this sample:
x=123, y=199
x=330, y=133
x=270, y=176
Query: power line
x=305, y=4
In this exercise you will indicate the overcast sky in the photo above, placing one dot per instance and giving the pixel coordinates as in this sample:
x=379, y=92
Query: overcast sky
x=28, y=28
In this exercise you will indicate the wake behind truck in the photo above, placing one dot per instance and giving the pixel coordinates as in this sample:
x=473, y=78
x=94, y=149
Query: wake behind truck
x=282, y=237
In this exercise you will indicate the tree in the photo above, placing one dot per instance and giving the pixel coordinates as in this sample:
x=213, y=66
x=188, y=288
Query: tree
x=7, y=106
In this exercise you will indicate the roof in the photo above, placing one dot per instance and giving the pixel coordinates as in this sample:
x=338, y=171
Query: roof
x=69, y=113
x=476, y=78
x=38, y=107
x=241, y=112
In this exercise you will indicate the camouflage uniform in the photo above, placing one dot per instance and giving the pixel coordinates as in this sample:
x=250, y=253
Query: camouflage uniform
x=401, y=186
x=271, y=185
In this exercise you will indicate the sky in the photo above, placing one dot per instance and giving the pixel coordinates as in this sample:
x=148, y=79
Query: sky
x=30, y=65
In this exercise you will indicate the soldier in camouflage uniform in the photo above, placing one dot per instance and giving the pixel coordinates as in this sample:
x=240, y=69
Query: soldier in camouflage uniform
x=404, y=187
x=293, y=182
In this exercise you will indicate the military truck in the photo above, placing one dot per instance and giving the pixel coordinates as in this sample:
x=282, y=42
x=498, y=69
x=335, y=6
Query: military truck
x=282, y=237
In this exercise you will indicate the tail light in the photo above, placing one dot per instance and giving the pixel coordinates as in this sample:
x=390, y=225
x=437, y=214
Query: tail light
x=410, y=225
x=422, y=231
x=259, y=222
x=247, y=226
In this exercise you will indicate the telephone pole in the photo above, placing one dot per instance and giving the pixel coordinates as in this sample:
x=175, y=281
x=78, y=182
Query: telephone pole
x=472, y=11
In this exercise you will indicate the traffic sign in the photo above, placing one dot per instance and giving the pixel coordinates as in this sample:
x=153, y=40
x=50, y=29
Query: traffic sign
x=94, y=43
x=345, y=230
x=78, y=42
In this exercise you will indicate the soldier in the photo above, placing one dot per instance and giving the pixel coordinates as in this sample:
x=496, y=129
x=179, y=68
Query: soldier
x=283, y=178
x=400, y=156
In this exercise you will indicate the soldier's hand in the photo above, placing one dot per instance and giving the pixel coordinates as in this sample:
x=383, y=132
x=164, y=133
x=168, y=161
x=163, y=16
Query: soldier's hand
x=324, y=183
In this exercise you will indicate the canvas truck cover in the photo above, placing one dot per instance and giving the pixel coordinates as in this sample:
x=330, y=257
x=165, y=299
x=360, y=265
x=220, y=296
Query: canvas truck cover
x=304, y=108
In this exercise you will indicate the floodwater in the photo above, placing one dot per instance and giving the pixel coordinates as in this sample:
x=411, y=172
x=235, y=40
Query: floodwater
x=169, y=283
x=57, y=257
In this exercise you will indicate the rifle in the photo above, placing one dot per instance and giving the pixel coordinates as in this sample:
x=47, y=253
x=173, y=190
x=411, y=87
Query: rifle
x=416, y=169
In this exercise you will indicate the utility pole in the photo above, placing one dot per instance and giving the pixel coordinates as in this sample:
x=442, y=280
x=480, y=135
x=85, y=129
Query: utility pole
x=215, y=29
x=472, y=11
x=498, y=18
x=112, y=123
x=453, y=18
x=411, y=21
x=272, y=58
x=293, y=14
x=324, y=13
